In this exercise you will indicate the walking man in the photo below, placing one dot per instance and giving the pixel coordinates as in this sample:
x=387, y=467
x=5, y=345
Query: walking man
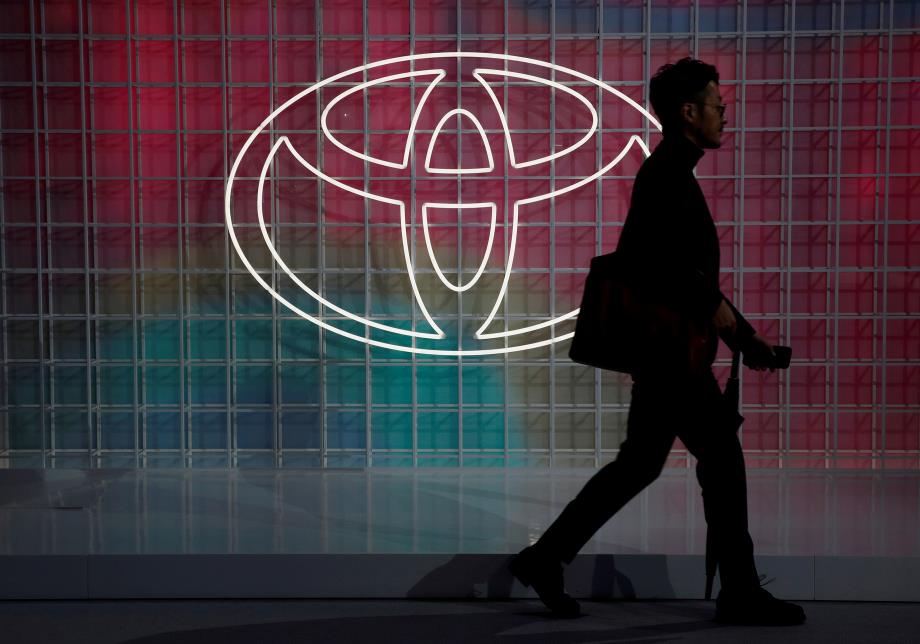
x=670, y=246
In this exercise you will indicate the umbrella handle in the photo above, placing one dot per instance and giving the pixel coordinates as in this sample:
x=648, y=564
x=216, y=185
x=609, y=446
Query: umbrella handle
x=736, y=364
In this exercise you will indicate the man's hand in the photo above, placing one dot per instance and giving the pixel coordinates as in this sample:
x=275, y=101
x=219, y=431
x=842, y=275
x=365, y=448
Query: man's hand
x=758, y=354
x=724, y=319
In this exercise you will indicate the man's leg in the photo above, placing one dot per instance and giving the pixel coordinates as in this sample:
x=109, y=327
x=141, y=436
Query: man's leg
x=721, y=474
x=649, y=437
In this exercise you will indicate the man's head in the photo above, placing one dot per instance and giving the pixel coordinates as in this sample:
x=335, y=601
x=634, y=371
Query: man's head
x=685, y=96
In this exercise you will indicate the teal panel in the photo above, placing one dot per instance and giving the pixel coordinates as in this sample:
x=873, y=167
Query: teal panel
x=117, y=428
x=391, y=384
x=345, y=384
x=300, y=384
x=71, y=430
x=24, y=385
x=391, y=430
x=437, y=385
x=162, y=384
x=115, y=339
x=208, y=385
x=483, y=430
x=25, y=430
x=163, y=430
x=301, y=429
x=254, y=385
x=345, y=430
x=207, y=339
x=161, y=339
x=483, y=385
x=116, y=385
x=438, y=430
x=208, y=430
x=70, y=385
x=254, y=430
x=299, y=340
x=69, y=339
x=253, y=339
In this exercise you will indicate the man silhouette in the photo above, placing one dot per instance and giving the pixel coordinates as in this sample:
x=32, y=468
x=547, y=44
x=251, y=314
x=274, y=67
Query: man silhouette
x=670, y=246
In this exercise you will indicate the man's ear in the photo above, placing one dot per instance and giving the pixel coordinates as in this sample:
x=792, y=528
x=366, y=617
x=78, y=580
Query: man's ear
x=688, y=113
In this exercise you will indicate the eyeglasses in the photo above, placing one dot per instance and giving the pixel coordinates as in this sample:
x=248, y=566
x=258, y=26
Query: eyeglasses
x=719, y=108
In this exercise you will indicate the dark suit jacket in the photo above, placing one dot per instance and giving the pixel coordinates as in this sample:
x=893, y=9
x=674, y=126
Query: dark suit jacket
x=670, y=246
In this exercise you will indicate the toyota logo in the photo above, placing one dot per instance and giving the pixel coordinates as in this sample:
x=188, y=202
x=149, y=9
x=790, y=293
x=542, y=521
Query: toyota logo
x=461, y=222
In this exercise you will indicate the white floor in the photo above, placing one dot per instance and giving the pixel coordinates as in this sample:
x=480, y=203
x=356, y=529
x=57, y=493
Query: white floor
x=423, y=533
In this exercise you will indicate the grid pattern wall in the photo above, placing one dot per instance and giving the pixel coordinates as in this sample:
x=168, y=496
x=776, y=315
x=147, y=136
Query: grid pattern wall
x=133, y=336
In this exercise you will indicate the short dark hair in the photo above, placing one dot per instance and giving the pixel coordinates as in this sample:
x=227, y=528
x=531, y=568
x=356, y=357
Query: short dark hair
x=677, y=83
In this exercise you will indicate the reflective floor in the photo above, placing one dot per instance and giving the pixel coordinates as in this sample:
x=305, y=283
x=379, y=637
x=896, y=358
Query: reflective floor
x=86, y=512
x=405, y=622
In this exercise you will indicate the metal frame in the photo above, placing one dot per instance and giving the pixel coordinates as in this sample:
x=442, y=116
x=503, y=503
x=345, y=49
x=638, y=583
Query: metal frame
x=51, y=455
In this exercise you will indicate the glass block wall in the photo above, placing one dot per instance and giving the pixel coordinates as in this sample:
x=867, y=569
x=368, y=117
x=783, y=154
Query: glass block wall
x=134, y=335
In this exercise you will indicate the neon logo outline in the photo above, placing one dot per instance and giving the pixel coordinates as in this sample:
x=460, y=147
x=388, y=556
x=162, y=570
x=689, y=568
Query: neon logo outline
x=438, y=74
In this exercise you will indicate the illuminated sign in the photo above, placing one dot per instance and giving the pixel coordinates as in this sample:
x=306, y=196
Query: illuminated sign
x=489, y=69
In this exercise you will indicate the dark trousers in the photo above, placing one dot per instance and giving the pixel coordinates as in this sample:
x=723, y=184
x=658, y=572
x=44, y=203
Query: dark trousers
x=693, y=410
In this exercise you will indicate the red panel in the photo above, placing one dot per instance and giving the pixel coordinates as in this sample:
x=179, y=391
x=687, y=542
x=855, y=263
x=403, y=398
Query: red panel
x=903, y=337
x=155, y=61
x=623, y=61
x=62, y=60
x=249, y=17
x=904, y=245
x=108, y=17
x=809, y=293
x=904, y=293
x=855, y=430
x=154, y=17
x=814, y=57
x=249, y=60
x=861, y=56
x=762, y=246
x=765, y=58
x=201, y=17
x=855, y=339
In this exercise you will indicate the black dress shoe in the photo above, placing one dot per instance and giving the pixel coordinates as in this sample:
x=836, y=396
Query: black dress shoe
x=757, y=607
x=545, y=576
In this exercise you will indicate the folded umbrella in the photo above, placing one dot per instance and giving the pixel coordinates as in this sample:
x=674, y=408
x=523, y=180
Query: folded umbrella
x=733, y=419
